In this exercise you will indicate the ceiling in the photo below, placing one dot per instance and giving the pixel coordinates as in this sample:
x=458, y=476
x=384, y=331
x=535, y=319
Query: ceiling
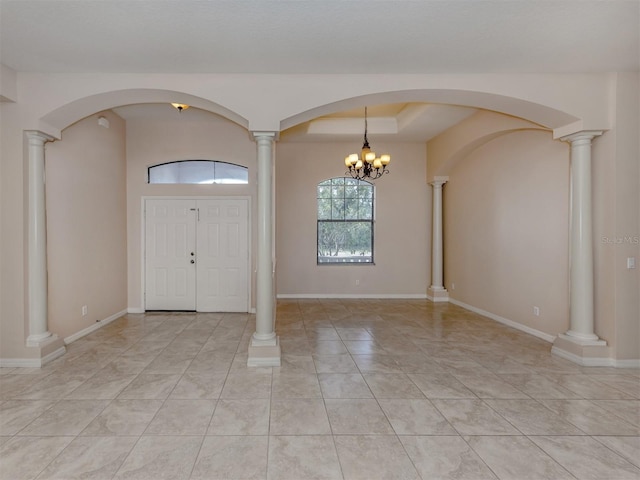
x=320, y=36
x=323, y=37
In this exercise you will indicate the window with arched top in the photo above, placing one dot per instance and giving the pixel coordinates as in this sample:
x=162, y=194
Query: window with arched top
x=198, y=172
x=345, y=221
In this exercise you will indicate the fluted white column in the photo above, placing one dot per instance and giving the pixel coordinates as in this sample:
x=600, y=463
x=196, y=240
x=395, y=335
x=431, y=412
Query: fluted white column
x=37, y=242
x=581, y=239
x=436, y=291
x=264, y=349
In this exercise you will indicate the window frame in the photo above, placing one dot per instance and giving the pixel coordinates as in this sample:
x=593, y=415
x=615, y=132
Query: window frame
x=214, y=162
x=367, y=221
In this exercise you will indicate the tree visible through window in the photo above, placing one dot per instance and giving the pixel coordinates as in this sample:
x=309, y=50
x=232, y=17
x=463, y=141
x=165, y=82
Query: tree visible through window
x=345, y=221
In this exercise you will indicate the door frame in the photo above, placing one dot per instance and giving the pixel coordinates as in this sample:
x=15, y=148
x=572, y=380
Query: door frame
x=143, y=238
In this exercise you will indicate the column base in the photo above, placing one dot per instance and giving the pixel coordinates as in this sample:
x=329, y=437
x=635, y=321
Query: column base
x=264, y=340
x=583, y=352
x=40, y=339
x=49, y=348
x=438, y=294
x=261, y=355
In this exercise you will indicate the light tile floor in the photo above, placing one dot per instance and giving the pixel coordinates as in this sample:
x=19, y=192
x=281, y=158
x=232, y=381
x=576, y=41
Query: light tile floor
x=367, y=390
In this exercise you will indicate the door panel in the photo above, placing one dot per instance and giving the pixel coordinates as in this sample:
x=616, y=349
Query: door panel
x=223, y=256
x=170, y=237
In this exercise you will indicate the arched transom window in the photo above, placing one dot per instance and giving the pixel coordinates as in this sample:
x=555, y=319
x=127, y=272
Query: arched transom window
x=345, y=221
x=199, y=172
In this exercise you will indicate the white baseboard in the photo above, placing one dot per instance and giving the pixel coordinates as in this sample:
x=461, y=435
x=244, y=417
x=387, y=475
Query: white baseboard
x=53, y=355
x=19, y=362
x=31, y=362
x=596, y=361
x=93, y=328
x=353, y=295
x=583, y=361
x=518, y=326
x=630, y=363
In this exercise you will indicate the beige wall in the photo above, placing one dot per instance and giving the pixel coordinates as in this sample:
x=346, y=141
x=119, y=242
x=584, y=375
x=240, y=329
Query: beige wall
x=86, y=224
x=627, y=224
x=616, y=188
x=603, y=184
x=401, y=243
x=505, y=230
x=627, y=215
x=13, y=213
x=193, y=135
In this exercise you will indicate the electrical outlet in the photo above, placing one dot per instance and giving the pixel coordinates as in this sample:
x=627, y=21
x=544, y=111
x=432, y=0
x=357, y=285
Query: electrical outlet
x=536, y=311
x=85, y=310
x=357, y=282
x=453, y=286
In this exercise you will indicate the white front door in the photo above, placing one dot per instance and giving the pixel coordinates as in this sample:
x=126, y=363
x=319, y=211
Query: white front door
x=222, y=263
x=170, y=238
x=196, y=255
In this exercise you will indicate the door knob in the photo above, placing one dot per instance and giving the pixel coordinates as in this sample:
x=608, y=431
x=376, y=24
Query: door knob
x=193, y=261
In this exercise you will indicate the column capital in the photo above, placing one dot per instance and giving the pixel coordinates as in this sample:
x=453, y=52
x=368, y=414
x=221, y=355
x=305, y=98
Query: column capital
x=38, y=138
x=268, y=136
x=439, y=181
x=583, y=136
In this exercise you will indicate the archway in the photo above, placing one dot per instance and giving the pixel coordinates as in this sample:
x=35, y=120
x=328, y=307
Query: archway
x=51, y=126
x=543, y=115
x=60, y=118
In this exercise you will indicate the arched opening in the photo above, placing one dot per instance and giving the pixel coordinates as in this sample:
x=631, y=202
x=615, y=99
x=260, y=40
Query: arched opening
x=68, y=114
x=527, y=138
x=543, y=115
x=97, y=180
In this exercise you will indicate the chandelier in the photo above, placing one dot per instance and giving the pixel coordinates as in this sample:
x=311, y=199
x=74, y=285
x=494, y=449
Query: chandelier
x=366, y=165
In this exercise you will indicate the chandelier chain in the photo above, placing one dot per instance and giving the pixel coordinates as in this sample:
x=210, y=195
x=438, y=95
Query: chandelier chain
x=366, y=141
